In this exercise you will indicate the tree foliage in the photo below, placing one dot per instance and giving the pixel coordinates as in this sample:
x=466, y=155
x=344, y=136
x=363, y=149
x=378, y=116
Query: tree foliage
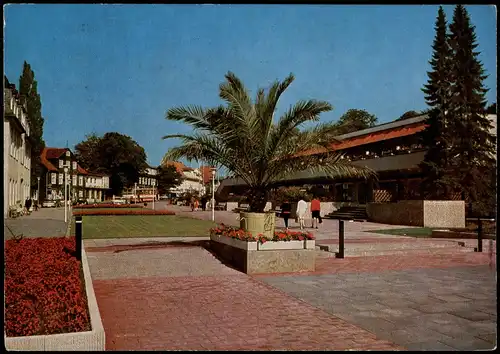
x=168, y=177
x=409, y=114
x=438, y=182
x=28, y=89
x=354, y=120
x=461, y=148
x=474, y=147
x=492, y=108
x=242, y=137
x=114, y=154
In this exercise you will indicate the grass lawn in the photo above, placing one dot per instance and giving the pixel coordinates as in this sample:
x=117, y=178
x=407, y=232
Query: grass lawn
x=414, y=232
x=122, y=226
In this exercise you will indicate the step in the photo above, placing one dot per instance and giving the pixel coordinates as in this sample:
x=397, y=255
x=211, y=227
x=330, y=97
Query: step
x=439, y=250
x=387, y=246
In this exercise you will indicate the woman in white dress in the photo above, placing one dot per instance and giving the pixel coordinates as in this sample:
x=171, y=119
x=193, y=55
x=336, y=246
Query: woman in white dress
x=301, y=212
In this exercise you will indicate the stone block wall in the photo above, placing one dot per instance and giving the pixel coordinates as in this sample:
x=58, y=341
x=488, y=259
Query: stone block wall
x=444, y=213
x=427, y=213
x=404, y=212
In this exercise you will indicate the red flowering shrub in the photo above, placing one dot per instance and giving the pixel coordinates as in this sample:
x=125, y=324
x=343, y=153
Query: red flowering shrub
x=44, y=288
x=122, y=212
x=240, y=234
x=107, y=205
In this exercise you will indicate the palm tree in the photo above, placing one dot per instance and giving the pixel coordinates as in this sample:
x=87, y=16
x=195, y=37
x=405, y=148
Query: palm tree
x=243, y=137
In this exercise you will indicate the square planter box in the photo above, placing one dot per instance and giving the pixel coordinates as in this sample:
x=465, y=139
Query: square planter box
x=280, y=245
x=270, y=257
x=244, y=245
x=310, y=244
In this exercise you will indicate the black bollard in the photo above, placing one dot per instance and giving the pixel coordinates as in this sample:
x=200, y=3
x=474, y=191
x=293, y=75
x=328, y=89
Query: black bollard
x=479, y=235
x=340, y=254
x=78, y=237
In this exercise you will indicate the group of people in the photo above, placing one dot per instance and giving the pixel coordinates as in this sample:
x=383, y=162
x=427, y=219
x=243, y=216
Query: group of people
x=286, y=211
x=195, y=203
x=28, y=203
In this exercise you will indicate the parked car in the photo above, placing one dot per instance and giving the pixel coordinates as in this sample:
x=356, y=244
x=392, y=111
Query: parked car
x=49, y=204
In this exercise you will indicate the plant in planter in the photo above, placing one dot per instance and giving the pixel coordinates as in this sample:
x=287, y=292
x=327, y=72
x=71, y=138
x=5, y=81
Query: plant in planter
x=243, y=138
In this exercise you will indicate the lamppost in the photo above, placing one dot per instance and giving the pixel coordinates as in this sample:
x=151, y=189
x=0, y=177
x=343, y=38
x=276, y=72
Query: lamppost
x=38, y=192
x=65, y=194
x=154, y=195
x=213, y=194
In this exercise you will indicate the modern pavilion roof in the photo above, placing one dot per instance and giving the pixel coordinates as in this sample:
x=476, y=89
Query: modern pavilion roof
x=381, y=132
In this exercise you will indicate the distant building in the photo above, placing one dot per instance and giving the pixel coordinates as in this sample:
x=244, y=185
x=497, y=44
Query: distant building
x=146, y=187
x=83, y=185
x=16, y=149
x=192, y=179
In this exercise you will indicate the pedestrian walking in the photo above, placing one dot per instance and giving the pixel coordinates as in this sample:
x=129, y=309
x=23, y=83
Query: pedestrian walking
x=301, y=212
x=316, y=212
x=196, y=204
x=286, y=210
x=27, y=205
x=203, y=203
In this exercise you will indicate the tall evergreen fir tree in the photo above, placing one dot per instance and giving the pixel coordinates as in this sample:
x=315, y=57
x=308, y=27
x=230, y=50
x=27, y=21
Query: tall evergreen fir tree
x=474, y=152
x=438, y=182
x=29, y=91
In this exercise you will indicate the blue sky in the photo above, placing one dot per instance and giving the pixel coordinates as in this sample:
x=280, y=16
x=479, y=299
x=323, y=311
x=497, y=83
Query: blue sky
x=119, y=68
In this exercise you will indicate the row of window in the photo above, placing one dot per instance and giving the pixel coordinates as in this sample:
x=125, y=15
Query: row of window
x=17, y=192
x=145, y=181
x=63, y=163
x=18, y=148
x=58, y=178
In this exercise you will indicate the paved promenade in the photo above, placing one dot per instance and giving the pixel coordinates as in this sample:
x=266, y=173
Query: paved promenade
x=46, y=222
x=173, y=294
x=185, y=299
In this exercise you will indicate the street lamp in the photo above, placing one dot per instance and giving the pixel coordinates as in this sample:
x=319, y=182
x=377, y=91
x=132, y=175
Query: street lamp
x=38, y=192
x=65, y=194
x=154, y=196
x=213, y=194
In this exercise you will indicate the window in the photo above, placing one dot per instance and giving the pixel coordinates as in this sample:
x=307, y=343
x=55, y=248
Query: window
x=80, y=194
x=61, y=176
x=74, y=180
x=61, y=163
x=80, y=180
x=74, y=165
x=53, y=178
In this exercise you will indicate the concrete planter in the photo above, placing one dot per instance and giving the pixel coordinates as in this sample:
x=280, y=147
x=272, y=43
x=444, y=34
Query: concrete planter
x=243, y=245
x=93, y=340
x=258, y=223
x=270, y=257
x=281, y=245
x=309, y=244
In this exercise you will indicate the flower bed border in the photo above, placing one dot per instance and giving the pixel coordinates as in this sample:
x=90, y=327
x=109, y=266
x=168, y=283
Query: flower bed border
x=93, y=340
x=108, y=206
x=110, y=212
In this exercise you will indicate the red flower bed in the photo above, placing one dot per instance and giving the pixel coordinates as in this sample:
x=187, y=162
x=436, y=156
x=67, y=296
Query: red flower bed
x=106, y=205
x=243, y=235
x=44, y=288
x=123, y=212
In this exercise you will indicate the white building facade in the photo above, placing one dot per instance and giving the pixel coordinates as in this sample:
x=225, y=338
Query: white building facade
x=17, y=150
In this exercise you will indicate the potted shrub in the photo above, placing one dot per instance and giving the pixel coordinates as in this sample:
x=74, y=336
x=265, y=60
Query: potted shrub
x=243, y=138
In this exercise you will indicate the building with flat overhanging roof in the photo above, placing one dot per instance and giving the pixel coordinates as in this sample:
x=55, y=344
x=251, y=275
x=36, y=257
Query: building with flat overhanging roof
x=393, y=150
x=16, y=149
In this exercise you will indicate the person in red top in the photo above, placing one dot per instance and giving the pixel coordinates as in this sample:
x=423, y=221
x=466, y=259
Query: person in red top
x=315, y=212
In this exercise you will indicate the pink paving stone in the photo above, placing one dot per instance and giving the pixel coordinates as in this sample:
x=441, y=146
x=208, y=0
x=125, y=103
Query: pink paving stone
x=237, y=313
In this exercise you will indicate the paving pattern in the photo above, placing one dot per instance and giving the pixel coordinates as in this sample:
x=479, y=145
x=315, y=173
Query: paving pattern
x=185, y=299
x=45, y=222
x=423, y=308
